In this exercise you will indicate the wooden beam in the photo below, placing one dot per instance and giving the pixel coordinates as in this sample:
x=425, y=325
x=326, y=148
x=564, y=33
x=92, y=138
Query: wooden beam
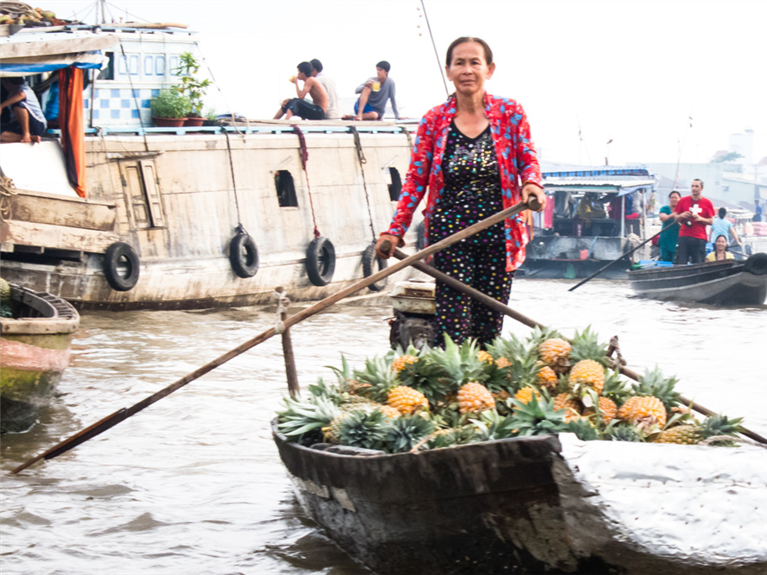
x=55, y=237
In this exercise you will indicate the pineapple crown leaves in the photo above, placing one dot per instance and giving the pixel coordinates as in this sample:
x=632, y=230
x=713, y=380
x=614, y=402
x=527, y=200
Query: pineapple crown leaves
x=490, y=425
x=404, y=433
x=343, y=374
x=617, y=430
x=537, y=417
x=583, y=429
x=379, y=376
x=652, y=383
x=452, y=436
x=460, y=363
x=365, y=429
x=539, y=335
x=302, y=420
x=720, y=425
x=585, y=345
x=424, y=375
x=616, y=388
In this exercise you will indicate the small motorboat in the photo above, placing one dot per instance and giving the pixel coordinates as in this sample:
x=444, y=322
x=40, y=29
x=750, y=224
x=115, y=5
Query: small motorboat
x=724, y=283
x=36, y=330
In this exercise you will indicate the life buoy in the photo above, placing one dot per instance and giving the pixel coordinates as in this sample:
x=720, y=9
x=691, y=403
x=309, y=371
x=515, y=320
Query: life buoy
x=243, y=255
x=756, y=264
x=121, y=266
x=369, y=261
x=320, y=261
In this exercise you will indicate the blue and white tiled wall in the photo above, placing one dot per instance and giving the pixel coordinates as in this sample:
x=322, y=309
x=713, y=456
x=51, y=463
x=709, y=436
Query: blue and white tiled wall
x=113, y=106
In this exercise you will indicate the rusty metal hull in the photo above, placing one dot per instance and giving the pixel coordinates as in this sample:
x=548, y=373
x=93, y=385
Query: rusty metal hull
x=508, y=506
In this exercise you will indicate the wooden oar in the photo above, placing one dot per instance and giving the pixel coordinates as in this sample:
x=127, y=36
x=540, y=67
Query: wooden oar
x=615, y=261
x=506, y=310
x=122, y=414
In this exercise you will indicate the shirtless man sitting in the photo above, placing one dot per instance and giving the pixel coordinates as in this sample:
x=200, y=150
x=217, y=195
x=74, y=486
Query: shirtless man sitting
x=28, y=122
x=314, y=110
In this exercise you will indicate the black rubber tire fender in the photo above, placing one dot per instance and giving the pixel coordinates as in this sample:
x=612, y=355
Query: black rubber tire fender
x=369, y=261
x=243, y=255
x=320, y=261
x=121, y=255
x=756, y=264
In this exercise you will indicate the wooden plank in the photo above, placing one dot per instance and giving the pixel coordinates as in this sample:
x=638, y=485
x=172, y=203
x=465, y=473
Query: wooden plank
x=21, y=49
x=62, y=212
x=152, y=193
x=56, y=237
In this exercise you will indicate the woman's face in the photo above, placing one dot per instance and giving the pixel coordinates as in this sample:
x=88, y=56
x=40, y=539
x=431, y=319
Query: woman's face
x=468, y=69
x=721, y=243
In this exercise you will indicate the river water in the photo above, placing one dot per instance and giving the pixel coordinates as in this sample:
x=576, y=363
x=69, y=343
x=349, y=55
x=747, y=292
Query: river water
x=194, y=484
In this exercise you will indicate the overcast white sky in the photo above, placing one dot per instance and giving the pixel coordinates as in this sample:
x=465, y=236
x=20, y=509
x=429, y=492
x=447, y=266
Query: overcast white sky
x=630, y=71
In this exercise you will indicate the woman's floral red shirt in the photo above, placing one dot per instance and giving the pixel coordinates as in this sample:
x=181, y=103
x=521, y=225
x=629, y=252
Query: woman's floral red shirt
x=517, y=159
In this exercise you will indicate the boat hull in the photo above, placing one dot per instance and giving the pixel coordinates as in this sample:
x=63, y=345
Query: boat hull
x=512, y=506
x=726, y=283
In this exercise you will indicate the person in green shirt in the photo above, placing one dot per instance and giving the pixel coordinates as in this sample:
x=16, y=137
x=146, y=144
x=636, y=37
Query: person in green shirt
x=670, y=233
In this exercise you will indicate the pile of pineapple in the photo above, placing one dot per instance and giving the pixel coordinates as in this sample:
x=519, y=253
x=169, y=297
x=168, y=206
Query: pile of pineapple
x=410, y=400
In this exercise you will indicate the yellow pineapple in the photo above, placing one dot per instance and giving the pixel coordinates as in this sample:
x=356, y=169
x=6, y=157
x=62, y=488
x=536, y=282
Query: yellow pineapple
x=546, y=377
x=643, y=411
x=502, y=362
x=587, y=373
x=485, y=357
x=525, y=395
x=388, y=411
x=607, y=409
x=399, y=363
x=571, y=406
x=407, y=400
x=682, y=434
x=474, y=397
x=555, y=352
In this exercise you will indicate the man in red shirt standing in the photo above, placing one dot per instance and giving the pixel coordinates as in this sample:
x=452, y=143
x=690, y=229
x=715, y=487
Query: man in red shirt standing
x=694, y=213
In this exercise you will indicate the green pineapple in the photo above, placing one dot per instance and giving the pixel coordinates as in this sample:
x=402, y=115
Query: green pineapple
x=363, y=428
x=404, y=433
x=537, y=417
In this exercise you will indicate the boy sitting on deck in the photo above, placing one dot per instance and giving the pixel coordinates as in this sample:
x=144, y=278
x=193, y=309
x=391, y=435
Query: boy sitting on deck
x=314, y=110
x=28, y=121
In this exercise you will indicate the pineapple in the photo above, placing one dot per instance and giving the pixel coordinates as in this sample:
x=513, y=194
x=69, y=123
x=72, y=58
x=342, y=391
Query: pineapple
x=407, y=400
x=474, y=397
x=555, y=353
x=546, y=377
x=362, y=428
x=607, y=410
x=688, y=434
x=652, y=383
x=388, y=411
x=571, y=406
x=399, y=363
x=623, y=432
x=536, y=418
x=460, y=364
x=303, y=420
x=585, y=375
x=376, y=380
x=586, y=346
x=502, y=363
x=405, y=433
x=525, y=395
x=643, y=411
x=691, y=434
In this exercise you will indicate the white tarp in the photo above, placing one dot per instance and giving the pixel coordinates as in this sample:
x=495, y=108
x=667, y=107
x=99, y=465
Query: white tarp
x=36, y=167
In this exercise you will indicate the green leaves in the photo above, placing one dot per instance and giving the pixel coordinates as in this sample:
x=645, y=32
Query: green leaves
x=170, y=104
x=191, y=86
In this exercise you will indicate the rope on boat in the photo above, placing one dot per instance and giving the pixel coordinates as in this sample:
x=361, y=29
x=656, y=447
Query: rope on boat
x=363, y=160
x=283, y=302
x=7, y=191
x=234, y=182
x=618, y=361
x=304, y=153
x=409, y=136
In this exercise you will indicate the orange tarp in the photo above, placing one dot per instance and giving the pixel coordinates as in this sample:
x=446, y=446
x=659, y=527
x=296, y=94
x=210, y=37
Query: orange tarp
x=72, y=123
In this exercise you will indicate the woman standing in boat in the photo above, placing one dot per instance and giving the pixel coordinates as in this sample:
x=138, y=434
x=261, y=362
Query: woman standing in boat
x=720, y=250
x=471, y=153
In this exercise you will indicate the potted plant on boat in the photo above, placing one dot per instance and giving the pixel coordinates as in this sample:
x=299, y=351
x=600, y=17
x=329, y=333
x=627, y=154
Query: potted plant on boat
x=192, y=87
x=170, y=108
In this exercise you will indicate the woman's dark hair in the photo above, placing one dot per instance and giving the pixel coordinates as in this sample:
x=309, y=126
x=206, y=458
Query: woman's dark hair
x=305, y=68
x=463, y=40
x=720, y=236
x=677, y=193
x=722, y=212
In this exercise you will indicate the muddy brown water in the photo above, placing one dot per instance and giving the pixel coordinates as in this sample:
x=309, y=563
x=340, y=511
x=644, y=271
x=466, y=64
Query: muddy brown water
x=194, y=483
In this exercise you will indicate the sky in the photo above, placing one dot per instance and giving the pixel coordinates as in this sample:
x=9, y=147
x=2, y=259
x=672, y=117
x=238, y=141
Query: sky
x=661, y=80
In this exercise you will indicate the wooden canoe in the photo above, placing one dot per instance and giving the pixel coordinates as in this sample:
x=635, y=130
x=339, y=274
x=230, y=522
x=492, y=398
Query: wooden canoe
x=541, y=504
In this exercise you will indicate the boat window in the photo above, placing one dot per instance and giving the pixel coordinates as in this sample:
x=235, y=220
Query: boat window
x=395, y=184
x=108, y=71
x=286, y=189
x=148, y=65
x=159, y=66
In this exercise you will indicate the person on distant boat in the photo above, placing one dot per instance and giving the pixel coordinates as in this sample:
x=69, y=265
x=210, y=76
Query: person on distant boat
x=475, y=156
x=723, y=227
x=694, y=213
x=314, y=110
x=591, y=207
x=374, y=94
x=331, y=113
x=720, y=252
x=28, y=121
x=757, y=212
x=670, y=232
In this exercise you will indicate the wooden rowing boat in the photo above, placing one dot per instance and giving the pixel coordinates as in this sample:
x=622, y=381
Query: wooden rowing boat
x=726, y=283
x=34, y=351
x=539, y=504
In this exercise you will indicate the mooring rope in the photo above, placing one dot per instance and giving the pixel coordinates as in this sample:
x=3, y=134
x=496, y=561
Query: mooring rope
x=409, y=136
x=304, y=153
x=283, y=303
x=7, y=191
x=363, y=160
x=234, y=182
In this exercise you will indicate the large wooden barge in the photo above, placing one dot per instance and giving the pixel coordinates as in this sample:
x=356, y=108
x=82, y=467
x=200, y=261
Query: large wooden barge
x=190, y=217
